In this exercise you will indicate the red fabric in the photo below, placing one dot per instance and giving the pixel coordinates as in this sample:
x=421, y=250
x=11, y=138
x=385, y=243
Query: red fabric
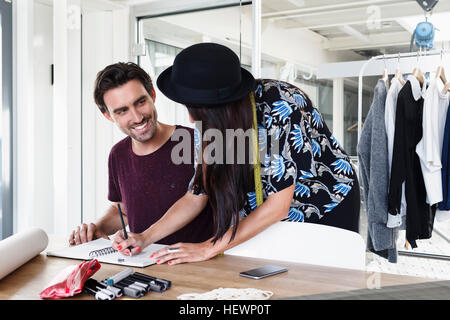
x=70, y=281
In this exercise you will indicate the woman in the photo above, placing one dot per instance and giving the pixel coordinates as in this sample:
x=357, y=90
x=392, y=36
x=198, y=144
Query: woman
x=303, y=176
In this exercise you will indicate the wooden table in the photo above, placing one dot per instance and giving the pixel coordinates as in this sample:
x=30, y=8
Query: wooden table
x=29, y=280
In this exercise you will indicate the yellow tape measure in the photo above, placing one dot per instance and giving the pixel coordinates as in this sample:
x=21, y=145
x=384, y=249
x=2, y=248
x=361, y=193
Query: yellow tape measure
x=257, y=165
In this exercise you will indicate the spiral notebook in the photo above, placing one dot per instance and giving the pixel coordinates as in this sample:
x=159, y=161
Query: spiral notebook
x=101, y=250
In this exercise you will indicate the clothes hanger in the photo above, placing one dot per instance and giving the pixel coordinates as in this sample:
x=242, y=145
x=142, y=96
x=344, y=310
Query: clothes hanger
x=417, y=72
x=385, y=75
x=446, y=88
x=440, y=72
x=398, y=73
x=354, y=127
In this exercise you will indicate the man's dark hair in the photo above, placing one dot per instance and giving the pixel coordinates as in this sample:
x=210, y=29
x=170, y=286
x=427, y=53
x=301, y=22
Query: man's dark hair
x=116, y=75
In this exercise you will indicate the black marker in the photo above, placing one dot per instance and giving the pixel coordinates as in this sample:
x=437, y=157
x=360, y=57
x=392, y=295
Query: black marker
x=139, y=282
x=167, y=283
x=128, y=291
x=117, y=291
x=125, y=235
x=90, y=287
x=134, y=285
x=95, y=294
x=154, y=285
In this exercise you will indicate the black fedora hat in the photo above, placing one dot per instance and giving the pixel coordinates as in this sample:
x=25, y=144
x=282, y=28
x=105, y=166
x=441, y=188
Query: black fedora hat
x=206, y=74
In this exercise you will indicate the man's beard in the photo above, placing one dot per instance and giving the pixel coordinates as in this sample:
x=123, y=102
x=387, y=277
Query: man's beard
x=148, y=134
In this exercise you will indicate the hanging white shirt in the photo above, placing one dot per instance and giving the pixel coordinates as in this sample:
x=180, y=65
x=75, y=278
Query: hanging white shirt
x=429, y=148
x=389, y=118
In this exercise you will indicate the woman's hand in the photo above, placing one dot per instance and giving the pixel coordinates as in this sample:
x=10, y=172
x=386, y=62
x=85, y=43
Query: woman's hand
x=136, y=241
x=185, y=252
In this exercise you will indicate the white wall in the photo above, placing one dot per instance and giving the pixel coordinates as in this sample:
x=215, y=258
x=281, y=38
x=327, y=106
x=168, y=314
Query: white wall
x=67, y=114
x=43, y=110
x=50, y=136
x=106, y=34
x=24, y=102
x=34, y=105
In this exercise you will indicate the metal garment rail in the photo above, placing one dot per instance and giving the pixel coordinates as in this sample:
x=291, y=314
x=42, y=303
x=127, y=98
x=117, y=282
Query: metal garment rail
x=360, y=96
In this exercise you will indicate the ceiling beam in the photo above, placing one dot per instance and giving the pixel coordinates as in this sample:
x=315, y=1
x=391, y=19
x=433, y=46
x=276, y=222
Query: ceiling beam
x=365, y=3
x=334, y=18
x=354, y=33
x=375, y=41
x=100, y=5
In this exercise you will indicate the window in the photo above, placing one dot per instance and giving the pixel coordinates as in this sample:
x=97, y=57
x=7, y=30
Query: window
x=6, y=208
x=160, y=56
x=165, y=36
x=351, y=110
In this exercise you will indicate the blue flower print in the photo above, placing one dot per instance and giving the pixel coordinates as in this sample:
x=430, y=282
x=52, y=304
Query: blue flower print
x=316, y=119
x=297, y=138
x=295, y=215
x=251, y=196
x=267, y=160
x=342, y=188
x=299, y=99
x=306, y=175
x=259, y=91
x=342, y=166
x=317, y=150
x=334, y=142
x=282, y=109
x=331, y=206
x=268, y=120
x=307, y=127
x=277, y=133
x=278, y=167
x=302, y=190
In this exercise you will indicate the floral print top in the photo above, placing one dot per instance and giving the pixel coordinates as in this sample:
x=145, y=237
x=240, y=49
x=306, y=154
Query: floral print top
x=296, y=147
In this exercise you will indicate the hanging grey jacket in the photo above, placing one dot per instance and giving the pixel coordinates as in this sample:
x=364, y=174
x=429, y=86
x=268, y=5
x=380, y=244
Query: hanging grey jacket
x=374, y=175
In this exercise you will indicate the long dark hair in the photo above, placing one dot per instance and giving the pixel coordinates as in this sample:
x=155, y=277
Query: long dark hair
x=226, y=184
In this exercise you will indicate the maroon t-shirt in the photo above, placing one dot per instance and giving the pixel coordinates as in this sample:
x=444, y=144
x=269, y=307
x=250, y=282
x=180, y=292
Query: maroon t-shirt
x=149, y=185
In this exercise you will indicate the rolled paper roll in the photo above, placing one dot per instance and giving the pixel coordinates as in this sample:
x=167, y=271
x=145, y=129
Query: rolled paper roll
x=20, y=248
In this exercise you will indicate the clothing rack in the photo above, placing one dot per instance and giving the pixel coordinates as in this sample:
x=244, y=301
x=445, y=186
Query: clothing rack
x=388, y=59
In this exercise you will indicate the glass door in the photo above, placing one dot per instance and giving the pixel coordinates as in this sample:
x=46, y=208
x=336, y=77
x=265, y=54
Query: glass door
x=163, y=36
x=6, y=208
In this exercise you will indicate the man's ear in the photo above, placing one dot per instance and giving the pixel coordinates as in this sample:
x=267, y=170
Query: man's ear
x=107, y=116
x=153, y=94
x=191, y=118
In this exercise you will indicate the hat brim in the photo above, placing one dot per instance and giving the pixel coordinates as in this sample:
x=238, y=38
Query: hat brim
x=166, y=86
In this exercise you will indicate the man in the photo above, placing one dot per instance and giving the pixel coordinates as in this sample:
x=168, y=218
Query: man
x=142, y=176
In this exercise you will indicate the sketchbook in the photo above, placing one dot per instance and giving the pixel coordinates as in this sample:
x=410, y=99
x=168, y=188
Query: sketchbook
x=101, y=250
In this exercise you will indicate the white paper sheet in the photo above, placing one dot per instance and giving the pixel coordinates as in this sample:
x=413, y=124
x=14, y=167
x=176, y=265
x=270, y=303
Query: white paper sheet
x=20, y=248
x=82, y=251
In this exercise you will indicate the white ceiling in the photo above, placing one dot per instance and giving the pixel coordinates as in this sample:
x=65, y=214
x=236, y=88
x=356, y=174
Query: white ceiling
x=361, y=25
x=383, y=25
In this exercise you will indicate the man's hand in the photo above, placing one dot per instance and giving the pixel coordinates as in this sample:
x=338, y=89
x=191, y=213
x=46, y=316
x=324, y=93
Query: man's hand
x=85, y=233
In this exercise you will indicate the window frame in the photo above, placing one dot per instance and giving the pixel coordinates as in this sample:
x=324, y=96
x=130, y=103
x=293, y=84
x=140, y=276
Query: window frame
x=6, y=118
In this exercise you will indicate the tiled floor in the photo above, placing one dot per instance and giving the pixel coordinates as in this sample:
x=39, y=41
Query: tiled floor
x=414, y=266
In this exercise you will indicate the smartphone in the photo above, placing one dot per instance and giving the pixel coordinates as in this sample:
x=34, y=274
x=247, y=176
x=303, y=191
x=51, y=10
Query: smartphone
x=262, y=272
